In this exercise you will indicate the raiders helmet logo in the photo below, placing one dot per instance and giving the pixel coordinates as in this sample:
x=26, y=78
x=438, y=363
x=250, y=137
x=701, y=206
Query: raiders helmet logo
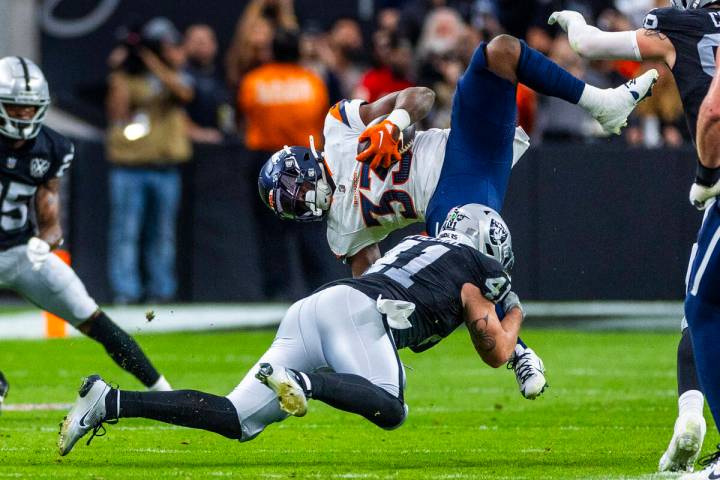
x=498, y=233
x=39, y=167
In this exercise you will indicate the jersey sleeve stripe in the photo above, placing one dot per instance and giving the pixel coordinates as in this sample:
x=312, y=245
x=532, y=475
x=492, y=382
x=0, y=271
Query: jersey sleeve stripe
x=338, y=112
x=343, y=113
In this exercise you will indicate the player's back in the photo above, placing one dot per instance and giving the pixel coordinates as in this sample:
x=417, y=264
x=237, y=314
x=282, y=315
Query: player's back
x=368, y=203
x=695, y=34
x=430, y=273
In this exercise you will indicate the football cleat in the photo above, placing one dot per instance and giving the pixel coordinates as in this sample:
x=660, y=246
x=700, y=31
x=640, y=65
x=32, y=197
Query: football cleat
x=4, y=387
x=711, y=470
x=529, y=372
x=88, y=413
x=621, y=101
x=288, y=389
x=685, y=444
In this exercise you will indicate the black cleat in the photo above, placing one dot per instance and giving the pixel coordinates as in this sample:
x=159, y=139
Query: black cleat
x=4, y=388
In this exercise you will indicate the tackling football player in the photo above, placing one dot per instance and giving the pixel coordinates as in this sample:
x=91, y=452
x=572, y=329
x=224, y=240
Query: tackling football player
x=33, y=159
x=397, y=182
x=702, y=303
x=413, y=297
x=685, y=38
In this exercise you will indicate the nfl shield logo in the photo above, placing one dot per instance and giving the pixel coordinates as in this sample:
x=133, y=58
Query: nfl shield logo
x=39, y=167
x=11, y=162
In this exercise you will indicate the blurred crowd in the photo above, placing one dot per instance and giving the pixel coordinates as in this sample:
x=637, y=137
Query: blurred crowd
x=278, y=77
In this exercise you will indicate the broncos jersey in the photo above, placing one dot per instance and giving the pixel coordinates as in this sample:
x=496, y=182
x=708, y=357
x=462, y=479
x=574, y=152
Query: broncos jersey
x=368, y=204
x=430, y=273
x=695, y=34
x=22, y=170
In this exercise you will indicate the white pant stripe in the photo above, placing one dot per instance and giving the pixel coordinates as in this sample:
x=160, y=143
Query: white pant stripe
x=706, y=260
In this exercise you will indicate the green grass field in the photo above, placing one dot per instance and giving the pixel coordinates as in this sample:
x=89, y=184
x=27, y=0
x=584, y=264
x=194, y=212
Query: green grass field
x=608, y=414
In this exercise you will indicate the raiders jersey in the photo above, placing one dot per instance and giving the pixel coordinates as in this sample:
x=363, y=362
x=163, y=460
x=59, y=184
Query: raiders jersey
x=695, y=34
x=22, y=170
x=430, y=273
x=369, y=204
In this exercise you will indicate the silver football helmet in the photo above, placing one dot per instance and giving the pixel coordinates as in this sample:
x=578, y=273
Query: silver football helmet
x=482, y=228
x=22, y=83
x=691, y=4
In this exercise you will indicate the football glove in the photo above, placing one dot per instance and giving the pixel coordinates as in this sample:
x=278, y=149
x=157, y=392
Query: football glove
x=564, y=18
x=701, y=196
x=38, y=251
x=383, y=150
x=511, y=301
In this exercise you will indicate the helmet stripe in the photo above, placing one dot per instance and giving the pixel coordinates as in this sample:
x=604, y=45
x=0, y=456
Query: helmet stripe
x=26, y=73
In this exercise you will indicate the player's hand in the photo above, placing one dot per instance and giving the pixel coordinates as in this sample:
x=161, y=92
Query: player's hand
x=564, y=18
x=383, y=150
x=38, y=251
x=511, y=301
x=701, y=196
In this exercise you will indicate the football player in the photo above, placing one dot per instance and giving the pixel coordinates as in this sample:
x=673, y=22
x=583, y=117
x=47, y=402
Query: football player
x=702, y=303
x=395, y=183
x=417, y=294
x=33, y=159
x=685, y=37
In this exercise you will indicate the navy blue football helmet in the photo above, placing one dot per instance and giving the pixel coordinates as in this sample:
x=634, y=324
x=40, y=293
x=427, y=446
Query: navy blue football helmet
x=294, y=184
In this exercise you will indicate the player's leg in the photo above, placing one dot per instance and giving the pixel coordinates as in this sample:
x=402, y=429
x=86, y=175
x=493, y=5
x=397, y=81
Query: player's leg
x=4, y=387
x=164, y=203
x=702, y=310
x=127, y=206
x=242, y=415
x=367, y=377
x=689, y=430
x=57, y=289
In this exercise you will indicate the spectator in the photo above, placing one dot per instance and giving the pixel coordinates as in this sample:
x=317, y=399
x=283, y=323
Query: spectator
x=283, y=103
x=147, y=140
x=251, y=45
x=348, y=55
x=393, y=56
x=441, y=40
x=316, y=55
x=210, y=111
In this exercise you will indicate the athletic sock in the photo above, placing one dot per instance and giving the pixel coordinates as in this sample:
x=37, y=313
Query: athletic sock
x=355, y=394
x=691, y=403
x=687, y=378
x=162, y=385
x=123, y=349
x=538, y=72
x=187, y=408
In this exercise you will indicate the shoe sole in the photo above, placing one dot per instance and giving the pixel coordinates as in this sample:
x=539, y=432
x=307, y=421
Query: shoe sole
x=290, y=401
x=687, y=448
x=535, y=395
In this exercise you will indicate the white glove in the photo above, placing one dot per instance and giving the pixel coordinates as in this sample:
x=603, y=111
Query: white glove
x=564, y=18
x=701, y=196
x=38, y=251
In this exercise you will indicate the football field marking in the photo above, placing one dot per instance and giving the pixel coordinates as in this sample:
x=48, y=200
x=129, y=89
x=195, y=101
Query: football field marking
x=36, y=407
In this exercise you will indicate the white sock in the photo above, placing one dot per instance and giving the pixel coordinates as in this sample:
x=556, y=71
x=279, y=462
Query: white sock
x=161, y=385
x=308, y=384
x=592, y=98
x=691, y=403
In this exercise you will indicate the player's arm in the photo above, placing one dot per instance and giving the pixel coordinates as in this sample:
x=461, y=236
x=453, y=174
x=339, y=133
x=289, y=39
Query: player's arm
x=362, y=260
x=47, y=210
x=706, y=184
x=403, y=109
x=169, y=77
x=494, y=341
x=594, y=44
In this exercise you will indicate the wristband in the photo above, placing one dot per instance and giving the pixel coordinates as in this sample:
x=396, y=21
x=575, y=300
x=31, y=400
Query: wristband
x=705, y=176
x=400, y=118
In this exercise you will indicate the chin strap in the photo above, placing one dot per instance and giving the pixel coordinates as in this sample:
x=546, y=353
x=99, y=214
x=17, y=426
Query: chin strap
x=325, y=186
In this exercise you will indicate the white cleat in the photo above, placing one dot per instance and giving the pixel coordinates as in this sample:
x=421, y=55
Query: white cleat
x=621, y=101
x=685, y=444
x=88, y=413
x=711, y=470
x=529, y=372
x=283, y=383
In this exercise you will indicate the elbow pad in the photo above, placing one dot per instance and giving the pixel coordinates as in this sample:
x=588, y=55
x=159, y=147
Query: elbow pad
x=595, y=44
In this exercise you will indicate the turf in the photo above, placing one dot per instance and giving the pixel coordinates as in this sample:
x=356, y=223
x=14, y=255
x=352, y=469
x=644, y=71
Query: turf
x=608, y=414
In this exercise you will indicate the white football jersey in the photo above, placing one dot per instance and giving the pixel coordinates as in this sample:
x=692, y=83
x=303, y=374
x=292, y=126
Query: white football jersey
x=369, y=204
